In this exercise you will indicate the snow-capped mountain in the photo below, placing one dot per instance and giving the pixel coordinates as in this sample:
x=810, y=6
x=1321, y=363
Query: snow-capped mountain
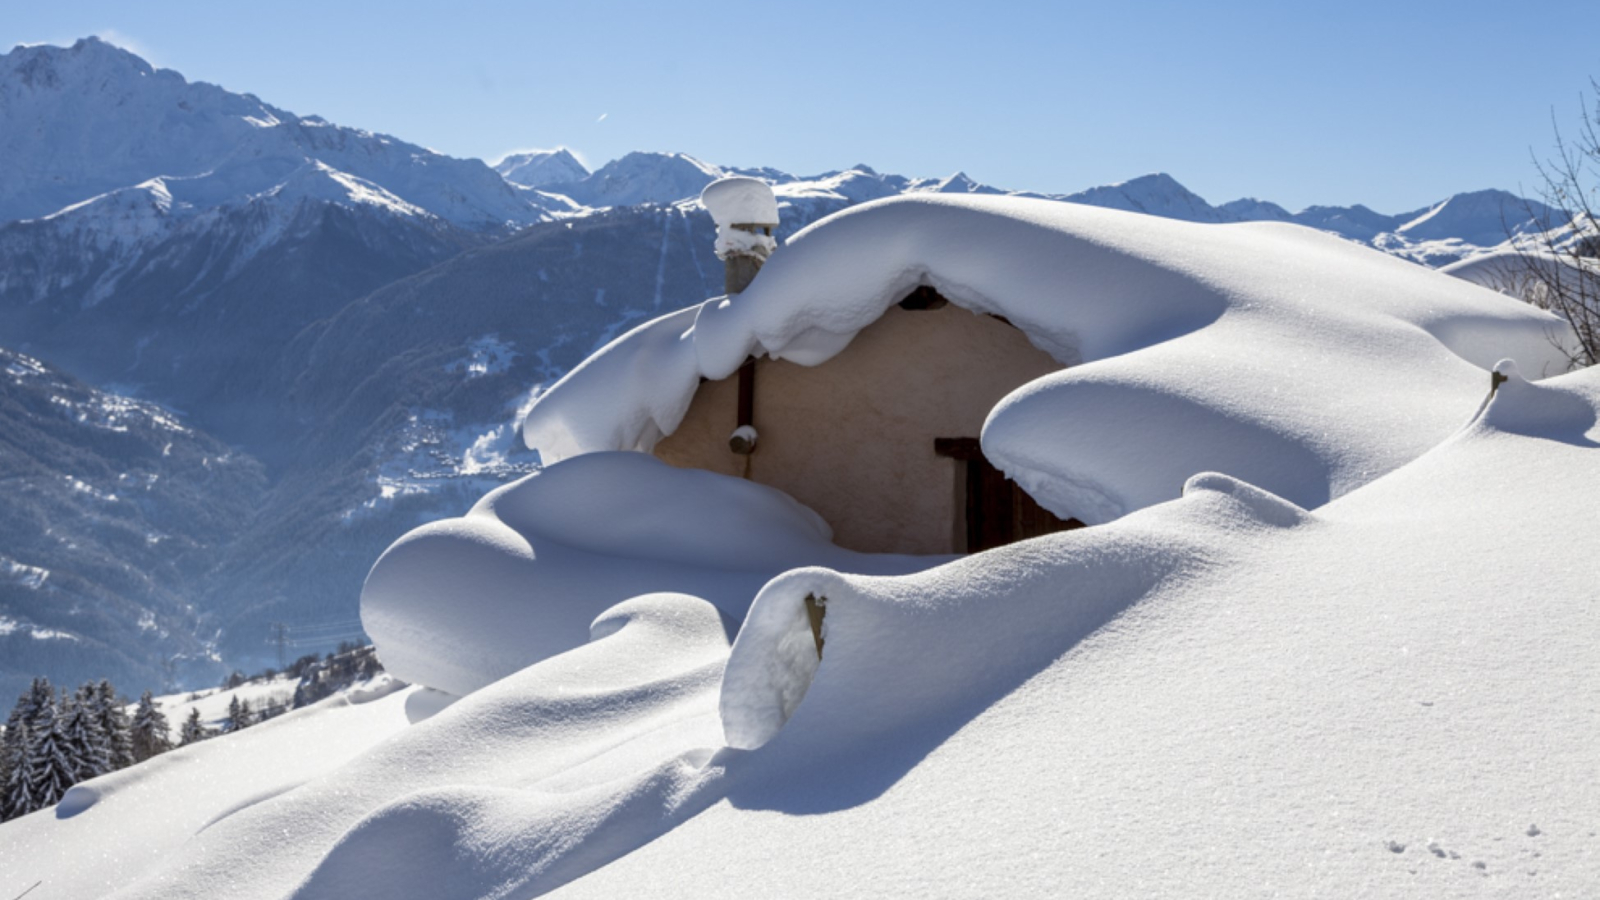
x=1157, y=195
x=174, y=236
x=1480, y=217
x=641, y=178
x=86, y=120
x=195, y=311
x=537, y=168
x=1250, y=209
x=1457, y=227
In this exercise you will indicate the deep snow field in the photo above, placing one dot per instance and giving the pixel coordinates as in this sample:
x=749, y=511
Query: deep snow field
x=1332, y=635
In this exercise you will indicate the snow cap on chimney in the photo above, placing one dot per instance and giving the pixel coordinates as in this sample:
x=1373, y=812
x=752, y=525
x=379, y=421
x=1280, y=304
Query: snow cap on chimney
x=745, y=212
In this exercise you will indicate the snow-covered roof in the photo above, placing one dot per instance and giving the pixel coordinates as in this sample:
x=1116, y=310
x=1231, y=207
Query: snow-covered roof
x=1275, y=353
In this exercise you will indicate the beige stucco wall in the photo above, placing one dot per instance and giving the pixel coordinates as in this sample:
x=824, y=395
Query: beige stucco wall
x=853, y=437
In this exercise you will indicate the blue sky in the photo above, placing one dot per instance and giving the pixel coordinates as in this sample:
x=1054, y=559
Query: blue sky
x=1394, y=105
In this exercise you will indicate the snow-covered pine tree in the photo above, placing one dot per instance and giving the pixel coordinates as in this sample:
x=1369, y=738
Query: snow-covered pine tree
x=114, y=721
x=5, y=777
x=16, y=792
x=21, y=732
x=31, y=702
x=51, y=768
x=194, y=731
x=239, y=714
x=151, y=735
x=87, y=747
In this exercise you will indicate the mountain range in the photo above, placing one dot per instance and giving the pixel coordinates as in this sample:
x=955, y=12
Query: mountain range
x=341, y=328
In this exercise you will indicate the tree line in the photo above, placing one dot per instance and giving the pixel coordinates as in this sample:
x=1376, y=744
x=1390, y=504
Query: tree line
x=56, y=738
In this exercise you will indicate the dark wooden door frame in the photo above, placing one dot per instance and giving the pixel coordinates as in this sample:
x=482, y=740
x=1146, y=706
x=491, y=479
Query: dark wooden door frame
x=998, y=511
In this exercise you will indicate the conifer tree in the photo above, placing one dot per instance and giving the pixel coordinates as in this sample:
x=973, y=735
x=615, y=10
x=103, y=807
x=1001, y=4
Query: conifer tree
x=151, y=735
x=239, y=714
x=36, y=704
x=114, y=722
x=51, y=768
x=29, y=705
x=16, y=793
x=194, y=731
x=87, y=748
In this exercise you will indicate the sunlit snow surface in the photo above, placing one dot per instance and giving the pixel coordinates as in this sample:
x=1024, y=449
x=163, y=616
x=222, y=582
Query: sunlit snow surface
x=1234, y=687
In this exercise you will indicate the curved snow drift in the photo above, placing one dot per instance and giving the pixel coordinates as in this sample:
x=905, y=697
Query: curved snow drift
x=460, y=603
x=1277, y=354
x=928, y=640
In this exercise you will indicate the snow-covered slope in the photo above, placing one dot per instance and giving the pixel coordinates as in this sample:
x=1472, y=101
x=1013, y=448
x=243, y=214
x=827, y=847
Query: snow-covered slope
x=119, y=827
x=1222, y=695
x=1227, y=696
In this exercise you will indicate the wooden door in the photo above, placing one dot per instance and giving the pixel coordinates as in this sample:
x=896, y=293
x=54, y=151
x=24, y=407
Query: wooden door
x=998, y=512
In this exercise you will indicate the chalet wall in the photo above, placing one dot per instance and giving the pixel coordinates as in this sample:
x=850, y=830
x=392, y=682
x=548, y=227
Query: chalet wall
x=853, y=437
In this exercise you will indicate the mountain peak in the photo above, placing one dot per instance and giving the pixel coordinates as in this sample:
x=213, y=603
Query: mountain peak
x=1157, y=194
x=958, y=183
x=1252, y=209
x=49, y=65
x=1150, y=180
x=537, y=168
x=644, y=177
x=1485, y=218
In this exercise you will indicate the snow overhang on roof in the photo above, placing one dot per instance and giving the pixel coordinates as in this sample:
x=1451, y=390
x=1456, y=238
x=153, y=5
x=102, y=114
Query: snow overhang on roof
x=1300, y=362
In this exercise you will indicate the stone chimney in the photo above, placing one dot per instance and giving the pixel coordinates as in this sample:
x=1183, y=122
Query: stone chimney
x=746, y=213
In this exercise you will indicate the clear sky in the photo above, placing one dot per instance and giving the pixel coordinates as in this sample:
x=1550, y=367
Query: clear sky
x=1392, y=104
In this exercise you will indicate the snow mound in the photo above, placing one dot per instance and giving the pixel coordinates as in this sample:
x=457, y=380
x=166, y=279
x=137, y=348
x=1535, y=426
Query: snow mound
x=928, y=641
x=460, y=603
x=1528, y=274
x=1554, y=411
x=574, y=761
x=1276, y=354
